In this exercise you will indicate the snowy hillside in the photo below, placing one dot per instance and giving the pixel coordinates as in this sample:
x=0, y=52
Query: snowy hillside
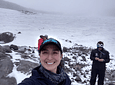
x=73, y=31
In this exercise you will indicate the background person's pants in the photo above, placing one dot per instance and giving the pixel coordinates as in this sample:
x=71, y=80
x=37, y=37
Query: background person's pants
x=101, y=75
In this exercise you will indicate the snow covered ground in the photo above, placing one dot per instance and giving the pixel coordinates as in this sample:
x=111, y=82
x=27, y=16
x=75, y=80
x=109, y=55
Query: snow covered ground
x=83, y=30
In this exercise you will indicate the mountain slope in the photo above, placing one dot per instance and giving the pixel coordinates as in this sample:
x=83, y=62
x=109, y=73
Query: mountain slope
x=13, y=6
x=9, y=5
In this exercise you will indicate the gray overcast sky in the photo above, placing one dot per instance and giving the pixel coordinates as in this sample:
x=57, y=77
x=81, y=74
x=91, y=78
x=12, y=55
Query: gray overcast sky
x=68, y=5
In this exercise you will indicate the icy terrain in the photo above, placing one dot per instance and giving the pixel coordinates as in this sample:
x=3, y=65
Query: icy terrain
x=83, y=30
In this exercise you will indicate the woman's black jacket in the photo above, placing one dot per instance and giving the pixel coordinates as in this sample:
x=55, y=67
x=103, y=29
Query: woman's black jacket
x=38, y=78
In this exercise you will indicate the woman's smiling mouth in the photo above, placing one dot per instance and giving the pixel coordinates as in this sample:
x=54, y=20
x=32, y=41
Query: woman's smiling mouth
x=50, y=63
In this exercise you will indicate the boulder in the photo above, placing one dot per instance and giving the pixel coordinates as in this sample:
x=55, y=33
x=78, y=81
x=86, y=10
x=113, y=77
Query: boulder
x=6, y=48
x=8, y=81
x=6, y=37
x=26, y=66
x=14, y=47
x=6, y=67
x=1, y=49
x=2, y=55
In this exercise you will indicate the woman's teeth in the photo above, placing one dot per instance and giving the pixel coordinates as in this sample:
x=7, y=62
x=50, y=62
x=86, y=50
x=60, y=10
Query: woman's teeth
x=49, y=63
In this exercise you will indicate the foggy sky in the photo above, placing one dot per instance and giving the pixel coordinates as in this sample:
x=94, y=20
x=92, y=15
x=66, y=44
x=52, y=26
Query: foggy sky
x=68, y=6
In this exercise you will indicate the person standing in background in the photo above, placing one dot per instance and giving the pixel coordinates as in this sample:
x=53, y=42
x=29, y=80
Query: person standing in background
x=40, y=41
x=100, y=57
x=45, y=37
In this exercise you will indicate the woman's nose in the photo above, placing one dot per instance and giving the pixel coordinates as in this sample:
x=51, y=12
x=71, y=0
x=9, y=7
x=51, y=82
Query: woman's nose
x=50, y=56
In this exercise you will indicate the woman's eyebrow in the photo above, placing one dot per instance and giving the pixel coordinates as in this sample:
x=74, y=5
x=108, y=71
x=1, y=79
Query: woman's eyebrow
x=55, y=49
x=44, y=49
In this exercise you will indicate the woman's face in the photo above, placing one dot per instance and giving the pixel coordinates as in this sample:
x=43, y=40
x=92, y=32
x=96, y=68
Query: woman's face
x=50, y=57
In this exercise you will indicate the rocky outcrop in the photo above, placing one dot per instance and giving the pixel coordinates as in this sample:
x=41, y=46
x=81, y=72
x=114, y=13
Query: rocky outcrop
x=75, y=60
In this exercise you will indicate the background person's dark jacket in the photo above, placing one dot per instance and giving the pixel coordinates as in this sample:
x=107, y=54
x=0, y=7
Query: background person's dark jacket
x=38, y=78
x=103, y=54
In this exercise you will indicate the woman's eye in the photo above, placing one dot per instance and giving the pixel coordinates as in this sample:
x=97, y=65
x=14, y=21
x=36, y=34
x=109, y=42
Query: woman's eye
x=45, y=52
x=55, y=52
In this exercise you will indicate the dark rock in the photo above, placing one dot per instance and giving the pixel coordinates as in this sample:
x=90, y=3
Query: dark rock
x=1, y=49
x=14, y=47
x=25, y=56
x=113, y=74
x=8, y=81
x=2, y=55
x=111, y=84
x=6, y=67
x=78, y=79
x=68, y=41
x=6, y=37
x=83, y=57
x=7, y=48
x=74, y=57
x=19, y=32
x=26, y=66
x=65, y=49
x=67, y=70
x=66, y=59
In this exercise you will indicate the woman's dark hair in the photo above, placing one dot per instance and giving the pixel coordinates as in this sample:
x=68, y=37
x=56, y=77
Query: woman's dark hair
x=62, y=63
